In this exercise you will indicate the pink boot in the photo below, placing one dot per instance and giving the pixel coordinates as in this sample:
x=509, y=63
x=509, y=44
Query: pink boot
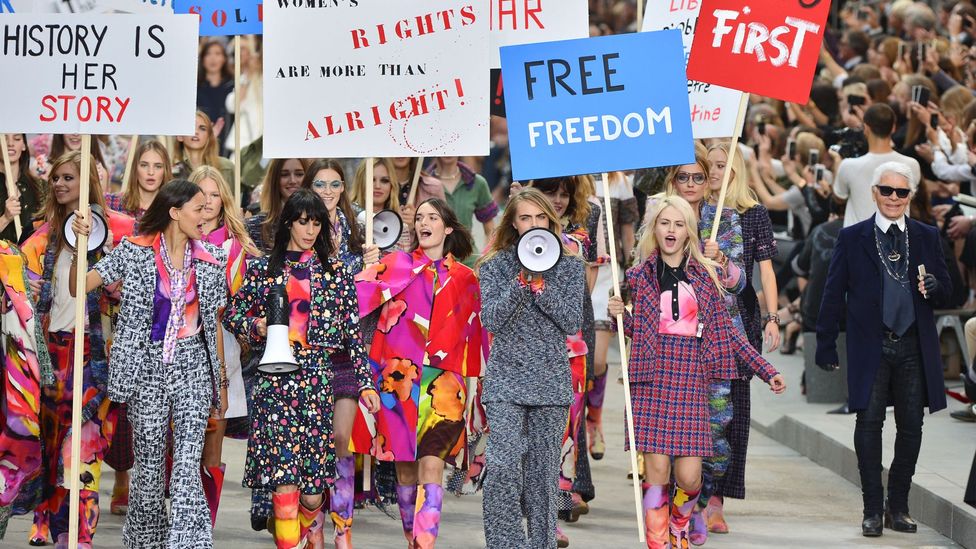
x=407, y=501
x=342, y=500
x=681, y=508
x=427, y=521
x=656, y=516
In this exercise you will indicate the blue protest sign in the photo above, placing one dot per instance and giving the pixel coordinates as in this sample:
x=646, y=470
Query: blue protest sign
x=225, y=17
x=597, y=104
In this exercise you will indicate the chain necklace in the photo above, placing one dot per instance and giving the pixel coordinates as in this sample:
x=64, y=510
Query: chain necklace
x=893, y=256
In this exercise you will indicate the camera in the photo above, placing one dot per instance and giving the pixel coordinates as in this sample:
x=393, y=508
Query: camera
x=849, y=143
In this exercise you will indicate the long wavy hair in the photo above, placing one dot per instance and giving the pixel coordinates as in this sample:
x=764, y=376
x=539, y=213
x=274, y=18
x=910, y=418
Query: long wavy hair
x=56, y=214
x=303, y=202
x=23, y=163
x=359, y=184
x=506, y=235
x=133, y=193
x=579, y=187
x=345, y=205
x=459, y=243
x=271, y=202
x=739, y=194
x=210, y=151
x=648, y=243
x=230, y=213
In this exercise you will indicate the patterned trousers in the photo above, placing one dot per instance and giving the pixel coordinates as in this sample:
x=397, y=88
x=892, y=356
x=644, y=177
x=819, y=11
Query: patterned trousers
x=184, y=390
x=734, y=483
x=522, y=474
x=720, y=413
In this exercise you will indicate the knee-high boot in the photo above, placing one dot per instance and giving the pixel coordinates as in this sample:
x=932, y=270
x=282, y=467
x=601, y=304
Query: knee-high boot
x=657, y=516
x=287, y=533
x=594, y=416
x=213, y=485
x=427, y=521
x=407, y=501
x=310, y=523
x=87, y=519
x=41, y=528
x=342, y=500
x=681, y=507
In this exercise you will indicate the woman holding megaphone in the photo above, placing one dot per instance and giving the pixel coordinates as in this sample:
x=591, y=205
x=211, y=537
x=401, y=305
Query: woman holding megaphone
x=165, y=361
x=683, y=338
x=327, y=179
x=528, y=389
x=291, y=449
x=49, y=255
x=429, y=339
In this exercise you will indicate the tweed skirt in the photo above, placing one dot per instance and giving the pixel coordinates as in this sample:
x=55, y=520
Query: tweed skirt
x=671, y=411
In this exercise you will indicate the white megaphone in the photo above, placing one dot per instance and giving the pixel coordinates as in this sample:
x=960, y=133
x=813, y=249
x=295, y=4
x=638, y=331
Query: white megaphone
x=99, y=230
x=387, y=228
x=538, y=250
x=278, y=358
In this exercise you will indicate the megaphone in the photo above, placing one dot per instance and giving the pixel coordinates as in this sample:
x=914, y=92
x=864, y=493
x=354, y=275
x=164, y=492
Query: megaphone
x=278, y=358
x=387, y=228
x=99, y=230
x=538, y=250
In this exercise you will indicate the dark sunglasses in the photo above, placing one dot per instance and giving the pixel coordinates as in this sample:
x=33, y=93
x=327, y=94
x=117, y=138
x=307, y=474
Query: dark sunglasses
x=685, y=177
x=319, y=185
x=885, y=190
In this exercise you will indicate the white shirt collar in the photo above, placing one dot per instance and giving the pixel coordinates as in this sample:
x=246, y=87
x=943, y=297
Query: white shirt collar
x=884, y=223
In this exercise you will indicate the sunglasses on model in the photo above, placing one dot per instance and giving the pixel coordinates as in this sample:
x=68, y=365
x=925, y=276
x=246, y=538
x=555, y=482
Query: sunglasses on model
x=885, y=190
x=320, y=185
x=685, y=177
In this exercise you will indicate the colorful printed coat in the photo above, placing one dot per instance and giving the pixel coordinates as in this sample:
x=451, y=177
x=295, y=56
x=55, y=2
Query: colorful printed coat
x=418, y=327
x=20, y=380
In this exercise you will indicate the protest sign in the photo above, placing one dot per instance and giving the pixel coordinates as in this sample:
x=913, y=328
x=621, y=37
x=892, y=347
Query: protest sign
x=375, y=78
x=84, y=6
x=597, y=105
x=515, y=22
x=224, y=17
x=767, y=47
x=713, y=107
x=99, y=74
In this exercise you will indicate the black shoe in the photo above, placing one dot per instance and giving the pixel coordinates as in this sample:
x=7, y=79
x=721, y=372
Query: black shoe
x=842, y=410
x=967, y=414
x=871, y=526
x=900, y=522
x=259, y=523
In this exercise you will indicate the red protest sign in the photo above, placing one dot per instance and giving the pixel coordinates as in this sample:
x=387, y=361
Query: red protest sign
x=766, y=47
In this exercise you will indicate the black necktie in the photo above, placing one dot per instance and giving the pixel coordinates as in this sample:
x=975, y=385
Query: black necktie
x=894, y=237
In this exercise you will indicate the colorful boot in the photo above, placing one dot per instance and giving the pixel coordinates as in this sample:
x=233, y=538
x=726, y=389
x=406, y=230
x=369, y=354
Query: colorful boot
x=698, y=533
x=407, y=501
x=656, y=516
x=714, y=517
x=427, y=521
x=342, y=500
x=213, y=484
x=88, y=513
x=41, y=528
x=681, y=508
x=594, y=417
x=287, y=532
x=562, y=540
x=310, y=525
x=120, y=494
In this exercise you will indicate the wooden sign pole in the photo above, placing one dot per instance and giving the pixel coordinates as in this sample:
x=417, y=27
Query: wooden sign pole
x=733, y=150
x=368, y=200
x=11, y=184
x=415, y=182
x=237, y=120
x=129, y=161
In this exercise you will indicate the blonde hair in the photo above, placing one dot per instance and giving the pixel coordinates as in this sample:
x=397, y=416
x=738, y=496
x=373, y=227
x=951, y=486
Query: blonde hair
x=506, y=235
x=210, y=154
x=230, y=216
x=739, y=194
x=648, y=243
x=358, y=194
x=131, y=198
x=56, y=214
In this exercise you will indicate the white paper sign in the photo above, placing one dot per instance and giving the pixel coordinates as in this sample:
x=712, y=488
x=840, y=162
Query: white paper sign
x=713, y=108
x=84, y=6
x=375, y=78
x=515, y=22
x=99, y=74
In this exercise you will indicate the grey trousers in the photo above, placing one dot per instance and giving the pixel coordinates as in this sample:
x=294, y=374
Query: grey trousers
x=522, y=475
x=183, y=390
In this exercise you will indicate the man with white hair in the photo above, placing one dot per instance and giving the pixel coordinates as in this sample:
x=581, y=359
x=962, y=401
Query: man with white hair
x=854, y=174
x=890, y=272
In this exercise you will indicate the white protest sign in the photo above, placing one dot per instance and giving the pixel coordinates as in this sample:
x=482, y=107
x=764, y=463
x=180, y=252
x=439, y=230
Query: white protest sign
x=85, y=6
x=99, y=74
x=515, y=22
x=356, y=78
x=713, y=108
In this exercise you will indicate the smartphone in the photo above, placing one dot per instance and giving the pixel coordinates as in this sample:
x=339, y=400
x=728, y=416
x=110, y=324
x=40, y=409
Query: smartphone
x=921, y=52
x=761, y=127
x=934, y=121
x=923, y=96
x=791, y=149
x=819, y=173
x=814, y=158
x=863, y=15
x=855, y=100
x=901, y=50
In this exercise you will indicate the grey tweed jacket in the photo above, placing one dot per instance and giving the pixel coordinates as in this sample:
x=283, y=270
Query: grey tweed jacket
x=528, y=364
x=135, y=265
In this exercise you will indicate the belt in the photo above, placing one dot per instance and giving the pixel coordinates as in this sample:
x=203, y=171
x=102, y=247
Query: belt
x=888, y=335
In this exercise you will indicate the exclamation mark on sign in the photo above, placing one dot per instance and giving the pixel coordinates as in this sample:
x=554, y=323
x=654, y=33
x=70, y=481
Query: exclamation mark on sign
x=499, y=90
x=460, y=90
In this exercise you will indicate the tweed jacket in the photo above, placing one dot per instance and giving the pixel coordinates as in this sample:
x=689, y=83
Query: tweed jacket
x=528, y=363
x=134, y=263
x=722, y=343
